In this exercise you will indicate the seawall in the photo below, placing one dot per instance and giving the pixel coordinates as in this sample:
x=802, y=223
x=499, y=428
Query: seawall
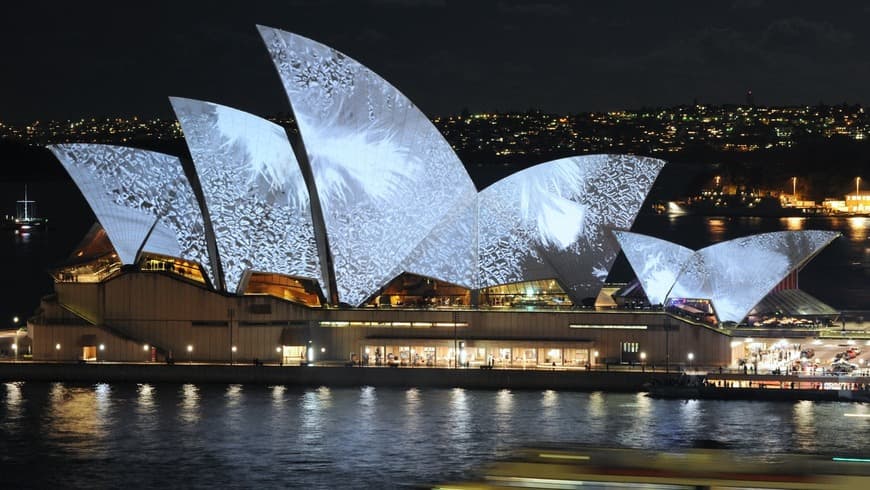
x=314, y=376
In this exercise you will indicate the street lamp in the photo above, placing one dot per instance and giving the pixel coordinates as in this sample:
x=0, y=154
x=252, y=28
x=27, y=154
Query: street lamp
x=794, y=187
x=102, y=348
x=56, y=351
x=15, y=348
x=642, y=361
x=595, y=358
x=691, y=358
x=189, y=353
x=232, y=354
x=280, y=357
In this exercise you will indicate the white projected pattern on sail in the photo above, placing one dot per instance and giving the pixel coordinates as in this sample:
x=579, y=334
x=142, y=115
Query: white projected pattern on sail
x=385, y=176
x=656, y=262
x=553, y=220
x=737, y=274
x=132, y=190
x=254, y=191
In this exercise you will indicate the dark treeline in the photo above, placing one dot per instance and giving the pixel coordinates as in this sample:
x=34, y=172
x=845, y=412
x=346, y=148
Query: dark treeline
x=825, y=167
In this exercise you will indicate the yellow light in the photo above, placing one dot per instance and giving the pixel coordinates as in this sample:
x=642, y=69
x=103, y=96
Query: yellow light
x=578, y=457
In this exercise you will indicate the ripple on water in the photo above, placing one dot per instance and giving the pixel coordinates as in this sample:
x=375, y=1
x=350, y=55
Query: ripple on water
x=234, y=436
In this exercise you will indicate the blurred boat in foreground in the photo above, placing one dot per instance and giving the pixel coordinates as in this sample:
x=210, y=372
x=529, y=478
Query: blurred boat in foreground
x=705, y=467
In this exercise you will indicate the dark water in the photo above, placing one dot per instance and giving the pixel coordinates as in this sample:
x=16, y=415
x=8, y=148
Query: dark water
x=840, y=275
x=235, y=436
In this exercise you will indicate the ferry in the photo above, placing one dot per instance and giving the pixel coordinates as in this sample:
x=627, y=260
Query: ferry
x=709, y=464
x=788, y=388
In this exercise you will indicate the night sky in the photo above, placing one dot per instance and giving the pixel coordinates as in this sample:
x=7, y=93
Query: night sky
x=72, y=59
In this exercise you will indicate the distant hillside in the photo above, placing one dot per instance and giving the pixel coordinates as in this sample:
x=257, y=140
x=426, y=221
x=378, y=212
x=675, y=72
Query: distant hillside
x=824, y=167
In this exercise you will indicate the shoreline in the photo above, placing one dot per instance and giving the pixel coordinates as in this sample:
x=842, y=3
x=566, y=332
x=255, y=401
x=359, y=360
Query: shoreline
x=337, y=376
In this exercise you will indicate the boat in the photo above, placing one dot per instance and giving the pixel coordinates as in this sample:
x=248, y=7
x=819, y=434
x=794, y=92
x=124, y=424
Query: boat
x=26, y=219
x=708, y=464
x=766, y=388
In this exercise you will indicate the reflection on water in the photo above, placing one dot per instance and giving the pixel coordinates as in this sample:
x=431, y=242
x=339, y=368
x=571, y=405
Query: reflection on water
x=642, y=406
x=13, y=403
x=411, y=411
x=716, y=229
x=189, y=404
x=596, y=404
x=857, y=228
x=145, y=399
x=234, y=415
x=207, y=436
x=803, y=419
x=460, y=415
x=794, y=223
x=234, y=395
x=504, y=402
x=76, y=419
x=313, y=405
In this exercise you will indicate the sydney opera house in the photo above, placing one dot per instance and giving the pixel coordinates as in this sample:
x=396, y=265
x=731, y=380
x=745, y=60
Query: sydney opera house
x=364, y=238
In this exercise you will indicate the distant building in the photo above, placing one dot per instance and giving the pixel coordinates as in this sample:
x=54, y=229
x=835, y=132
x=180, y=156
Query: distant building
x=858, y=202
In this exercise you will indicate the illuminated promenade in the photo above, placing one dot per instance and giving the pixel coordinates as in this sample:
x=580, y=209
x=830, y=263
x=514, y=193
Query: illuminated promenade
x=336, y=376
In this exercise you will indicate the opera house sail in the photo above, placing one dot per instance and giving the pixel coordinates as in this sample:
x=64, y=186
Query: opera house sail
x=141, y=198
x=254, y=192
x=734, y=275
x=657, y=263
x=554, y=220
x=385, y=177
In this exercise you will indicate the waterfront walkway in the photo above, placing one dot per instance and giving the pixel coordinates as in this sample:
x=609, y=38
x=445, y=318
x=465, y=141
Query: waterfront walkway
x=314, y=376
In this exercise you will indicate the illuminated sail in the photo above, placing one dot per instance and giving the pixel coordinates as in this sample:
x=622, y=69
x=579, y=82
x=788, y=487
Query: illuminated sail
x=139, y=195
x=554, y=220
x=254, y=191
x=386, y=178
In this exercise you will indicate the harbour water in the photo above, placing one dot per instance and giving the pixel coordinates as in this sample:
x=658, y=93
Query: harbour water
x=234, y=436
